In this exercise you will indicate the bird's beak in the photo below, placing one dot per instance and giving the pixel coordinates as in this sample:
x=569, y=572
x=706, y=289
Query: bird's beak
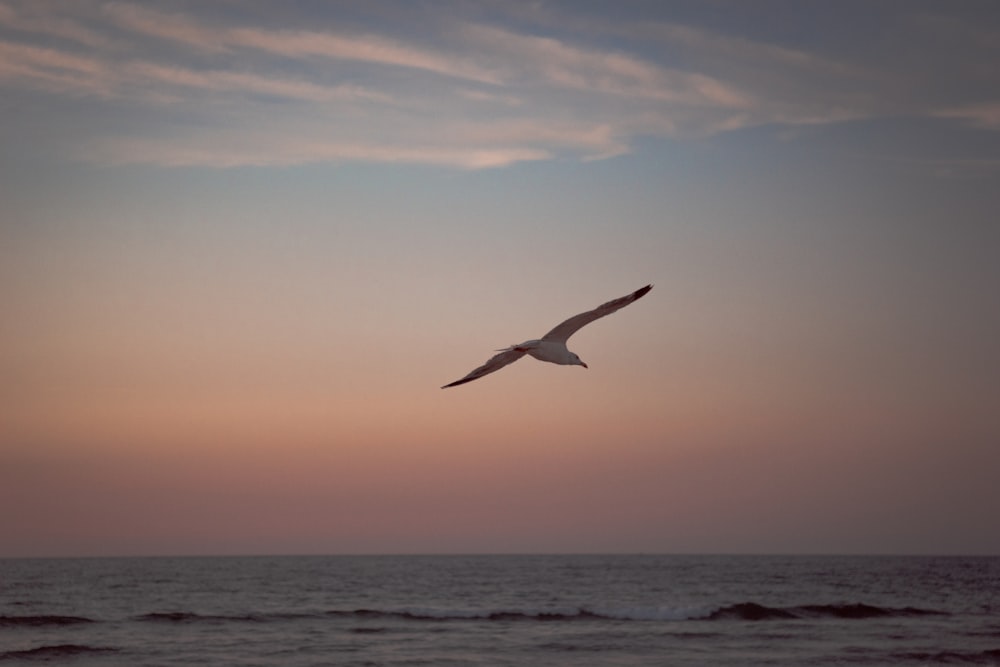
x=584, y=365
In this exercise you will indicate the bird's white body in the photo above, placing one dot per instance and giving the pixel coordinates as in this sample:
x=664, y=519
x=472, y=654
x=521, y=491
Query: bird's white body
x=546, y=350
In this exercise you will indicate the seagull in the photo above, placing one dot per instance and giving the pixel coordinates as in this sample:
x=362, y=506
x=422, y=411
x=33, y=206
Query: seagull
x=552, y=346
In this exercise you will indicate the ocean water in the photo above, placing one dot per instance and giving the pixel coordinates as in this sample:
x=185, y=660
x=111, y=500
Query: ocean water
x=501, y=610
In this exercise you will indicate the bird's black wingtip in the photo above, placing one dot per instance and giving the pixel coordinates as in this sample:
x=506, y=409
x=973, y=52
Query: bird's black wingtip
x=641, y=292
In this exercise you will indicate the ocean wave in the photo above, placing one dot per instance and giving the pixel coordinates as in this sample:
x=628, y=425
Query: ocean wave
x=188, y=616
x=57, y=651
x=514, y=615
x=987, y=657
x=748, y=611
x=40, y=621
x=743, y=611
x=751, y=611
x=860, y=610
x=194, y=617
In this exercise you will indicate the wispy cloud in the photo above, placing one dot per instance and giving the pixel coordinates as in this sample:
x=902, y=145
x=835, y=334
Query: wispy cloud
x=54, y=69
x=243, y=82
x=986, y=115
x=232, y=149
x=164, y=25
x=70, y=73
x=294, y=43
x=38, y=18
x=362, y=48
x=551, y=61
x=734, y=51
x=467, y=92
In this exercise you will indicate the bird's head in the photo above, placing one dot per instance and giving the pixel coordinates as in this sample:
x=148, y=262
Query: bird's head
x=577, y=361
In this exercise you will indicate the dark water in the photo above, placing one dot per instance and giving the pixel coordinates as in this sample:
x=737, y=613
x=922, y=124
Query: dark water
x=501, y=610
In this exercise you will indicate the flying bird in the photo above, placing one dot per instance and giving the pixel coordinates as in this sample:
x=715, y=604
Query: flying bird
x=552, y=346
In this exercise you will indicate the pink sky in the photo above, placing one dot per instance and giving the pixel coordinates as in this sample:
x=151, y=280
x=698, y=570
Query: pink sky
x=241, y=249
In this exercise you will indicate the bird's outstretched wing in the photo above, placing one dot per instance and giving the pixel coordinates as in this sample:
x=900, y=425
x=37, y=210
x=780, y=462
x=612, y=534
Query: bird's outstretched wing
x=563, y=331
x=495, y=363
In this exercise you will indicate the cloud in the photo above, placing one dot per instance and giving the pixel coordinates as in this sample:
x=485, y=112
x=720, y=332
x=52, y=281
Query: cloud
x=294, y=43
x=54, y=69
x=362, y=48
x=986, y=115
x=734, y=51
x=551, y=61
x=38, y=18
x=466, y=91
x=491, y=98
x=781, y=85
x=235, y=150
x=162, y=25
x=245, y=83
x=65, y=72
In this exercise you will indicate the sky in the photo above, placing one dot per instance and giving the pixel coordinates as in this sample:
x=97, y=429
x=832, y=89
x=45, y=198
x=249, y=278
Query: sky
x=244, y=243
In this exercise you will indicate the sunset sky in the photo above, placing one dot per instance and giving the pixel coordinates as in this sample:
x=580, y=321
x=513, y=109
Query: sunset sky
x=244, y=243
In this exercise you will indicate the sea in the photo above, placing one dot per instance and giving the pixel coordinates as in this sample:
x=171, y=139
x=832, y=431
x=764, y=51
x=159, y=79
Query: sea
x=501, y=610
